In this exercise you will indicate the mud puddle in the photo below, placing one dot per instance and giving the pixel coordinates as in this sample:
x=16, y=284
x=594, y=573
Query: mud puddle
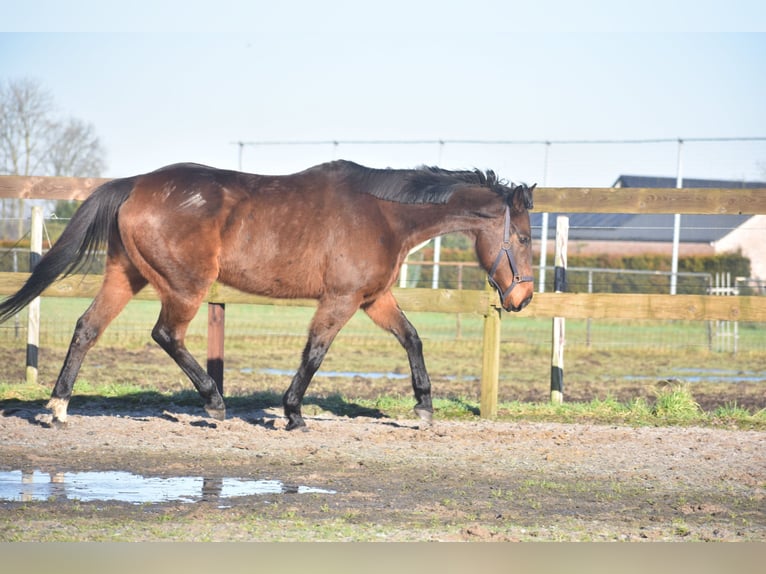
x=119, y=486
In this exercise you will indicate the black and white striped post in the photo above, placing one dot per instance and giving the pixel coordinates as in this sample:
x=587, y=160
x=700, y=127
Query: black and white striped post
x=33, y=329
x=559, y=323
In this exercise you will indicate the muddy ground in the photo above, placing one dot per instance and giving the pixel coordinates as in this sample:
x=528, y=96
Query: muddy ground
x=392, y=480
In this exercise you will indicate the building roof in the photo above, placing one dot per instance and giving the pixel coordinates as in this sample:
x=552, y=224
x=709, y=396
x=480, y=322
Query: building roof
x=653, y=181
x=651, y=226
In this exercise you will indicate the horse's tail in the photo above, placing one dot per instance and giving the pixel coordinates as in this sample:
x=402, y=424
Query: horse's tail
x=89, y=229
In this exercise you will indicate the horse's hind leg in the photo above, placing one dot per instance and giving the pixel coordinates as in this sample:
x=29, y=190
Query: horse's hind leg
x=121, y=282
x=385, y=312
x=328, y=320
x=169, y=333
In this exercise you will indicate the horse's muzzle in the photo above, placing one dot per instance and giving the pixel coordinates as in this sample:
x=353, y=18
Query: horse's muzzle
x=516, y=308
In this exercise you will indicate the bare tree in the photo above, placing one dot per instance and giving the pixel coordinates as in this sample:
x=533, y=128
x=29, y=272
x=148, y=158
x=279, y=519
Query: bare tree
x=74, y=150
x=33, y=141
x=25, y=110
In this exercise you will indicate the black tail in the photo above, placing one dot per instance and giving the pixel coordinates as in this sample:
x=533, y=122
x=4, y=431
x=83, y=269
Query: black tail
x=89, y=229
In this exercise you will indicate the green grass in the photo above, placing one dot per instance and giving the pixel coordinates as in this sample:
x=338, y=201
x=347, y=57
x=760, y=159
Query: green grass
x=672, y=406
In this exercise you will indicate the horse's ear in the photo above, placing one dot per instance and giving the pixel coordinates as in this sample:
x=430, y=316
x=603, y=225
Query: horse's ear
x=522, y=197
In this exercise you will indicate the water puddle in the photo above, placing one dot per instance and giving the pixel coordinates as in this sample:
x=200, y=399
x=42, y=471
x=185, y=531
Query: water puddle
x=720, y=376
x=127, y=487
x=708, y=376
x=348, y=374
x=342, y=374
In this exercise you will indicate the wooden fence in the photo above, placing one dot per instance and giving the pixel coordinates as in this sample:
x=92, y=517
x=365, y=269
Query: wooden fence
x=485, y=303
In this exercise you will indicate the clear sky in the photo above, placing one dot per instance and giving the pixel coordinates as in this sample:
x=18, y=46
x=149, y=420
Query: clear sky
x=164, y=82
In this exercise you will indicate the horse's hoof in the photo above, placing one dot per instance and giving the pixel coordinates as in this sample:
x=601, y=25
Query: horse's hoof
x=217, y=414
x=57, y=424
x=58, y=408
x=426, y=417
x=296, y=424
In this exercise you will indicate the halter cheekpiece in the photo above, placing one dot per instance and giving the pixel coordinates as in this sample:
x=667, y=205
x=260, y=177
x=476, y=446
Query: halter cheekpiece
x=505, y=249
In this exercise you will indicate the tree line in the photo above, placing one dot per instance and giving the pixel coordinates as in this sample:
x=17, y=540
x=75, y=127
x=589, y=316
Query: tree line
x=36, y=140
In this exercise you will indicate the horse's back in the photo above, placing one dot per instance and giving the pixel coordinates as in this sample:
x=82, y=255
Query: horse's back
x=283, y=236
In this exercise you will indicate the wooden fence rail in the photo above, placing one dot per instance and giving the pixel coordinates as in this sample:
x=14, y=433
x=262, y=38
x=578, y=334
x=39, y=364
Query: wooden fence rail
x=568, y=305
x=687, y=200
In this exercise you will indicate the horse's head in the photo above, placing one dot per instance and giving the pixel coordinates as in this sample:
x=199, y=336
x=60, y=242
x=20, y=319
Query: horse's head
x=504, y=248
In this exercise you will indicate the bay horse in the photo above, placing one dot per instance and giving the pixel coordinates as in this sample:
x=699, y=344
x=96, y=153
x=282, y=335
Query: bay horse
x=337, y=232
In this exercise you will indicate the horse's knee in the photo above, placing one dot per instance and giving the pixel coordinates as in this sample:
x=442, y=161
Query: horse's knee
x=85, y=333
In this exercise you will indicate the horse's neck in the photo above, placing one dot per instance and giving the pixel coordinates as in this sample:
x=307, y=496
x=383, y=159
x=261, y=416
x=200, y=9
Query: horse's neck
x=421, y=223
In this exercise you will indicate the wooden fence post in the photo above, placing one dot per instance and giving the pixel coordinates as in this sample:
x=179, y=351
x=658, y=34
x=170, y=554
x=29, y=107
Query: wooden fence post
x=216, y=318
x=559, y=323
x=490, y=363
x=33, y=329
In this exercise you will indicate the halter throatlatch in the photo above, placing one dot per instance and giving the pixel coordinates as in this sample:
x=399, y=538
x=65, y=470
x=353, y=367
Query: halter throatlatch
x=505, y=249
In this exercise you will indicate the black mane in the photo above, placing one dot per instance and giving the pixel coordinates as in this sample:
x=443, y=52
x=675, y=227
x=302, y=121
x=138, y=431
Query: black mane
x=424, y=184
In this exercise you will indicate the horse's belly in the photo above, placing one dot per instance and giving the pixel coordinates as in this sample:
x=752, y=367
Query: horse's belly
x=269, y=280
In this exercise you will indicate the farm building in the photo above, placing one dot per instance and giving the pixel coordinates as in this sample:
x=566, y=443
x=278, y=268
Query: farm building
x=634, y=234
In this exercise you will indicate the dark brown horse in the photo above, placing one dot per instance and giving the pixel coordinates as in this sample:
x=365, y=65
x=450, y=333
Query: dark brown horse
x=337, y=232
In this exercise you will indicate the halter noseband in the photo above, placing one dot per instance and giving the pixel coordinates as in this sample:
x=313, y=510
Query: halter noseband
x=505, y=248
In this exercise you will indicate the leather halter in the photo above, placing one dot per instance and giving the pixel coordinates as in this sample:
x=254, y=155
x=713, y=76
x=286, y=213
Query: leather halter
x=505, y=249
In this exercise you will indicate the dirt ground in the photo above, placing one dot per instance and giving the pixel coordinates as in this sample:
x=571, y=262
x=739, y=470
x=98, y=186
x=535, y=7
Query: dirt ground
x=390, y=479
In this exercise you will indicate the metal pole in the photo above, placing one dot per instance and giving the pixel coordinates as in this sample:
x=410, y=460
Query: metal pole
x=676, y=224
x=437, y=240
x=544, y=227
x=437, y=259
x=403, y=275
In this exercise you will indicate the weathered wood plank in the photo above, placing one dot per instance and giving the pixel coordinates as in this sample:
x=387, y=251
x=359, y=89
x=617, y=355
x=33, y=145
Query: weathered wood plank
x=444, y=300
x=650, y=200
x=490, y=364
x=644, y=306
x=551, y=199
x=34, y=187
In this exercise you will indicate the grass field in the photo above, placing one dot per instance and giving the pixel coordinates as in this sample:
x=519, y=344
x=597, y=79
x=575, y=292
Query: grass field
x=624, y=362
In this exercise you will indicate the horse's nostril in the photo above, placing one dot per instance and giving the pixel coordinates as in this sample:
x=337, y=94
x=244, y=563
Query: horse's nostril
x=516, y=308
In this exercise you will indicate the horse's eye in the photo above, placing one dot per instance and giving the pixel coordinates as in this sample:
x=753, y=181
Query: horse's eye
x=524, y=239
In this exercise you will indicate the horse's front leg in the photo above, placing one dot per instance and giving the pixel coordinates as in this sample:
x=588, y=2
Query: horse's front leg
x=385, y=312
x=328, y=320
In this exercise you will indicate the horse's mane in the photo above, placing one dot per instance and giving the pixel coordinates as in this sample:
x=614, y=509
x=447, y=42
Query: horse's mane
x=424, y=184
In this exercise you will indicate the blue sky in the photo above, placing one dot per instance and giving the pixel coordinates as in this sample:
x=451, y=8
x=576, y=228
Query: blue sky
x=184, y=81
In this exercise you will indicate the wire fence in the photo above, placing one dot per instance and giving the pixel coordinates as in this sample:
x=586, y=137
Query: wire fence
x=548, y=162
x=288, y=326
x=551, y=163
